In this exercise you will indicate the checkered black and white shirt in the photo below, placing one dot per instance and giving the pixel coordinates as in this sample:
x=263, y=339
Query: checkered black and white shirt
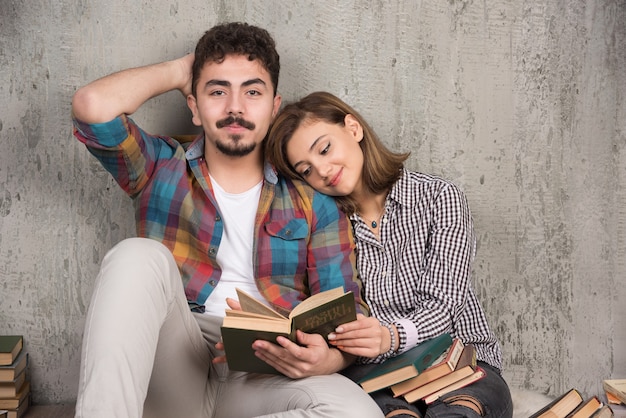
x=418, y=275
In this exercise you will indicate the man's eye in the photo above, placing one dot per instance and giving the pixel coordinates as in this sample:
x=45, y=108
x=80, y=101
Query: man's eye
x=254, y=93
x=217, y=93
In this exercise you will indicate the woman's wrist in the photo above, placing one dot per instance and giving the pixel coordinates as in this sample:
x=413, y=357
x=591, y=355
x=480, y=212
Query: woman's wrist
x=392, y=345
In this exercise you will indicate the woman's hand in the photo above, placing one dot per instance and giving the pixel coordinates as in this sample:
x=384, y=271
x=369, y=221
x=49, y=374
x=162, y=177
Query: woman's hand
x=364, y=337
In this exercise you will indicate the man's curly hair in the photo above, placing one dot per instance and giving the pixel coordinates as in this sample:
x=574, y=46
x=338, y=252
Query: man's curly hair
x=239, y=39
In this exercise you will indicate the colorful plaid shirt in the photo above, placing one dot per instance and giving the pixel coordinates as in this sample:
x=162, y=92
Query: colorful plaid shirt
x=303, y=243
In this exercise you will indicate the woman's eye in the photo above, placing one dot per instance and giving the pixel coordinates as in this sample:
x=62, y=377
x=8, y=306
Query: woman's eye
x=325, y=149
x=306, y=172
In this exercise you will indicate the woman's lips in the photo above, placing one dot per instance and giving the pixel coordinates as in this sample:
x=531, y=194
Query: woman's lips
x=335, y=180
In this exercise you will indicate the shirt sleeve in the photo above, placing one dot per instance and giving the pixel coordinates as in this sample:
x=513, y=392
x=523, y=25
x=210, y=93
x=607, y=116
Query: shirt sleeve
x=445, y=285
x=124, y=150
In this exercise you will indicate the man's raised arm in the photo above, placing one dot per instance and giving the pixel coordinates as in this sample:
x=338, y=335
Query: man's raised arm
x=125, y=91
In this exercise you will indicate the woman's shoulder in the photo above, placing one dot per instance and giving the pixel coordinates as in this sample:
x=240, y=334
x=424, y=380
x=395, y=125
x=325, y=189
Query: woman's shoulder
x=420, y=179
x=422, y=190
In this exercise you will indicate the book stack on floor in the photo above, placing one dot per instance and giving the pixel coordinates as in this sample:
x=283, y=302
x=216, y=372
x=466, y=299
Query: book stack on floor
x=427, y=371
x=14, y=382
x=572, y=404
x=615, y=391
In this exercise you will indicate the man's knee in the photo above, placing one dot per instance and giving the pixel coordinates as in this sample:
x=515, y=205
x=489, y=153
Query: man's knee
x=138, y=248
x=139, y=265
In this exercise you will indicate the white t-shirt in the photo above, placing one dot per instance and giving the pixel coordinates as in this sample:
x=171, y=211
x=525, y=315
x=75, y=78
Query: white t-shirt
x=238, y=212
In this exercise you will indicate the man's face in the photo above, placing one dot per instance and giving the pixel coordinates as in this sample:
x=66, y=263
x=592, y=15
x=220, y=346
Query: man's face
x=234, y=104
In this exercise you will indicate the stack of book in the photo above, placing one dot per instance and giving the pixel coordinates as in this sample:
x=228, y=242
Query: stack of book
x=615, y=391
x=14, y=382
x=428, y=371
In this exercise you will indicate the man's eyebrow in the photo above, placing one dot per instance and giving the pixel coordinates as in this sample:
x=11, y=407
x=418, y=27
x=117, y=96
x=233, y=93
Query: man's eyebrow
x=222, y=83
x=225, y=83
x=253, y=81
x=310, y=149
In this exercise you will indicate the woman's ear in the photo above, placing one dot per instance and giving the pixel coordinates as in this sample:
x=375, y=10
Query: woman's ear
x=354, y=127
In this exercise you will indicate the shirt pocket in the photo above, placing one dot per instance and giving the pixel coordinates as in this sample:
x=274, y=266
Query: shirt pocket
x=285, y=258
x=291, y=229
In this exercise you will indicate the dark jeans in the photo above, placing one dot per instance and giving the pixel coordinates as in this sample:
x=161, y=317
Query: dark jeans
x=491, y=391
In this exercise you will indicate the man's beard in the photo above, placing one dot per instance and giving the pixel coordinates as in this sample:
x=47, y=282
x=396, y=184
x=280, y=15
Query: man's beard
x=234, y=149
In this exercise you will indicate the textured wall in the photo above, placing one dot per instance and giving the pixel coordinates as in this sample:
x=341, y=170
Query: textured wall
x=521, y=103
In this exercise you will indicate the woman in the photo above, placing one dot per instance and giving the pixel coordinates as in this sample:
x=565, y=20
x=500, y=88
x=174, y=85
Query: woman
x=415, y=247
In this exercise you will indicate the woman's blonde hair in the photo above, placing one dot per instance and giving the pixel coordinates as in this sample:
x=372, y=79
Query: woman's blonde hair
x=381, y=167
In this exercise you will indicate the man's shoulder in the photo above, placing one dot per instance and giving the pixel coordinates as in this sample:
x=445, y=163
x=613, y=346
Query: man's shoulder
x=304, y=196
x=304, y=189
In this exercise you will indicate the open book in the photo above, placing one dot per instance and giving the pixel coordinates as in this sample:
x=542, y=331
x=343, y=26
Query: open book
x=318, y=314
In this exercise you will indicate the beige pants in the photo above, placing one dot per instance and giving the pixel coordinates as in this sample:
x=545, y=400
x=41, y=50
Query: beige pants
x=146, y=354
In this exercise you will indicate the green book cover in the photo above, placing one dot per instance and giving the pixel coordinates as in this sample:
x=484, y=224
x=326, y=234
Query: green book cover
x=406, y=365
x=319, y=314
x=239, y=353
x=325, y=318
x=10, y=346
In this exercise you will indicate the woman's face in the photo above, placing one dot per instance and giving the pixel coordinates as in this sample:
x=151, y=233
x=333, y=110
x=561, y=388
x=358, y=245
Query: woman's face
x=328, y=156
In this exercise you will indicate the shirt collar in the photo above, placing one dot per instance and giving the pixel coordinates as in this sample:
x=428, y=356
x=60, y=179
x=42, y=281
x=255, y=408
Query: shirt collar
x=399, y=190
x=196, y=150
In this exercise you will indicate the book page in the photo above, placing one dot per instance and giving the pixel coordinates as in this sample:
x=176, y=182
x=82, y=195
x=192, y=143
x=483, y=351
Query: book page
x=256, y=324
x=477, y=375
x=252, y=315
x=316, y=300
x=250, y=304
x=565, y=405
x=617, y=384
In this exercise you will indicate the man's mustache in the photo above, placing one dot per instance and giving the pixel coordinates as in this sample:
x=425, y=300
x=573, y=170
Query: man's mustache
x=231, y=120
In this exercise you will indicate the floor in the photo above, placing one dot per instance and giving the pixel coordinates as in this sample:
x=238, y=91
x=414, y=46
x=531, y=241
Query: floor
x=67, y=411
x=522, y=400
x=50, y=411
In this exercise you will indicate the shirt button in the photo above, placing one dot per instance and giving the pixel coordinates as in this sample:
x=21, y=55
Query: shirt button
x=212, y=251
x=218, y=218
x=387, y=302
x=288, y=232
x=213, y=283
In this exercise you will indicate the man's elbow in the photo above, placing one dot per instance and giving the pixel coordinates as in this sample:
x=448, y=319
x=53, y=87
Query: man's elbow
x=87, y=106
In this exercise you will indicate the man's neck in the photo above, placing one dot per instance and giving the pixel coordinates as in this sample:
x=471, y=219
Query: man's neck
x=235, y=174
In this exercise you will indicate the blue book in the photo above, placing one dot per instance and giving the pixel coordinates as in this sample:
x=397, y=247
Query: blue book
x=406, y=365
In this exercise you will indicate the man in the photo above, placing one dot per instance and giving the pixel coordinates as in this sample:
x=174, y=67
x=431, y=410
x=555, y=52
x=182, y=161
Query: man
x=216, y=217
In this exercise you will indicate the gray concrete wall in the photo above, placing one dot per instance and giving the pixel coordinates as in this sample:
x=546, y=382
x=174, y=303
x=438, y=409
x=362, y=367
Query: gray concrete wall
x=521, y=103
